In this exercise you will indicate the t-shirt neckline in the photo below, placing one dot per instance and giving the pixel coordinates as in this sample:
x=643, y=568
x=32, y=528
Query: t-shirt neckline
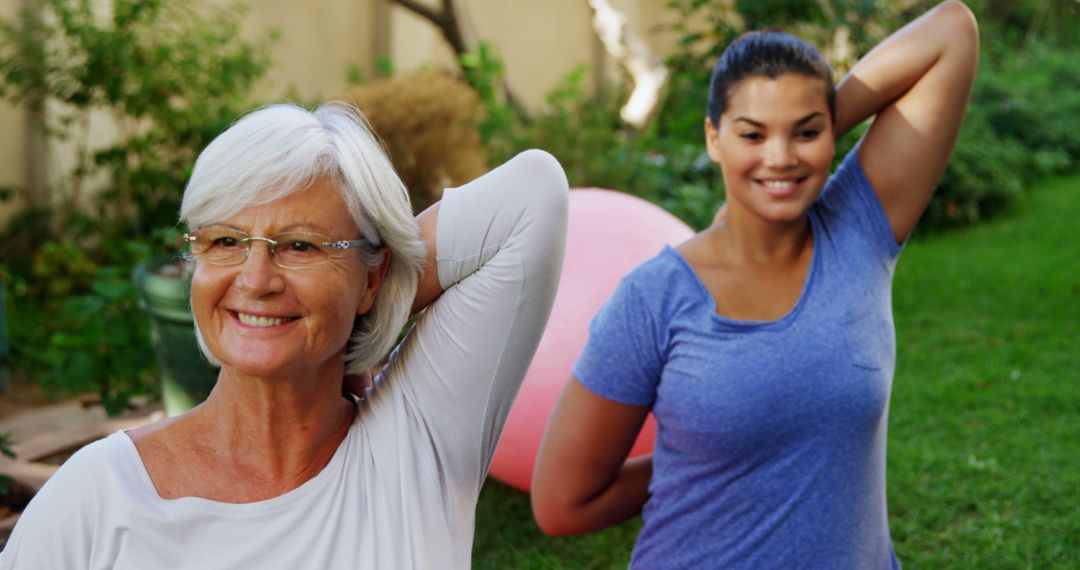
x=300, y=493
x=780, y=323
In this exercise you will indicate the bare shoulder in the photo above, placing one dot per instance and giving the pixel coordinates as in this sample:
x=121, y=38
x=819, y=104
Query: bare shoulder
x=167, y=449
x=700, y=250
x=154, y=437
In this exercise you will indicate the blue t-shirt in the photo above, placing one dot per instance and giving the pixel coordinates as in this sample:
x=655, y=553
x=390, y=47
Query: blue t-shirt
x=770, y=448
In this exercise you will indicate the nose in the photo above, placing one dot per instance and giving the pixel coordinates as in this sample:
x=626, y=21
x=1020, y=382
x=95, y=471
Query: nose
x=780, y=153
x=259, y=276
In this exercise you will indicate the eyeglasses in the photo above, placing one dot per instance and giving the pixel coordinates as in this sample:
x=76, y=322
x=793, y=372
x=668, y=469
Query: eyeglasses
x=221, y=245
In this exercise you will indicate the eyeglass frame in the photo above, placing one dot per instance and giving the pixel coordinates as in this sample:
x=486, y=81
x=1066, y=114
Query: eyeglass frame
x=271, y=244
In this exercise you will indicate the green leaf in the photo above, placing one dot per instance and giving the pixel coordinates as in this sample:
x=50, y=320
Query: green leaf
x=83, y=307
x=354, y=74
x=470, y=60
x=113, y=289
x=79, y=370
x=384, y=67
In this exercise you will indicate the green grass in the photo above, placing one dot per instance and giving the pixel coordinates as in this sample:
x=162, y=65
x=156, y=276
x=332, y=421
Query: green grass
x=984, y=435
x=984, y=429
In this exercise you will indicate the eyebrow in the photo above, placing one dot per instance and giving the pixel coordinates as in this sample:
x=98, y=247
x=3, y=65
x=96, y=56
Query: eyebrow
x=303, y=226
x=307, y=227
x=798, y=123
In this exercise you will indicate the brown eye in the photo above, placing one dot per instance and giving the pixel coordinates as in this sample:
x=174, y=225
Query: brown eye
x=300, y=246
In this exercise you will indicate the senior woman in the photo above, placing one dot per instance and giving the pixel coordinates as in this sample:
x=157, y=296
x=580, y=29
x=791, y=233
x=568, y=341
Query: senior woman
x=307, y=261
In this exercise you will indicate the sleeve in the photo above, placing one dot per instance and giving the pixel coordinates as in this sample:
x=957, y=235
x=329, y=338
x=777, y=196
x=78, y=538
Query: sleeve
x=499, y=245
x=623, y=358
x=56, y=528
x=849, y=199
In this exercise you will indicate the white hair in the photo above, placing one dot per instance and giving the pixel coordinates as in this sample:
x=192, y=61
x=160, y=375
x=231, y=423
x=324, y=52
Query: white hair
x=282, y=149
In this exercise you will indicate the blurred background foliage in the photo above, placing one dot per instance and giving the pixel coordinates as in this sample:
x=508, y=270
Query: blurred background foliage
x=428, y=124
x=172, y=79
x=1021, y=125
x=168, y=80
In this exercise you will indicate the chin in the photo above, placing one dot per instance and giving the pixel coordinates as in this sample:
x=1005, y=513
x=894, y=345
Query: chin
x=789, y=211
x=260, y=369
x=258, y=363
x=784, y=213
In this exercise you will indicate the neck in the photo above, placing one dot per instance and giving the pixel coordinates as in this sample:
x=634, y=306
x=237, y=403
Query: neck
x=749, y=239
x=286, y=427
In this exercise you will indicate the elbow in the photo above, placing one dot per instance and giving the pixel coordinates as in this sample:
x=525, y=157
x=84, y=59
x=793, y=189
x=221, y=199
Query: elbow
x=554, y=507
x=542, y=186
x=551, y=517
x=545, y=197
x=548, y=525
x=959, y=30
x=546, y=178
x=960, y=20
x=544, y=165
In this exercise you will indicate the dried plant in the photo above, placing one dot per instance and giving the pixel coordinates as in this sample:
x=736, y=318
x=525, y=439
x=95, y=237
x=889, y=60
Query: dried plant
x=428, y=124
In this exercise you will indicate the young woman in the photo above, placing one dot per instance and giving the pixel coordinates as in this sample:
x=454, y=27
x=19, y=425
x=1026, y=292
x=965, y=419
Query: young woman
x=765, y=344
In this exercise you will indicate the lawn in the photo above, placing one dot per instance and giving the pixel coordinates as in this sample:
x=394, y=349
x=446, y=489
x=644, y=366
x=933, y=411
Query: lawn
x=984, y=430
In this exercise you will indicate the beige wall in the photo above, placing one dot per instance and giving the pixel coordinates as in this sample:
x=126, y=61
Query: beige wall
x=319, y=40
x=12, y=156
x=644, y=16
x=12, y=143
x=414, y=43
x=539, y=41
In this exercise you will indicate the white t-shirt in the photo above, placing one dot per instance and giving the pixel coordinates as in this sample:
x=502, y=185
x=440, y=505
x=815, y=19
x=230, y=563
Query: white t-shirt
x=401, y=490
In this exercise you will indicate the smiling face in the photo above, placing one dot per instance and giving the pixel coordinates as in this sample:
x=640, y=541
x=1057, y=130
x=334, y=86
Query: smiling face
x=774, y=144
x=261, y=320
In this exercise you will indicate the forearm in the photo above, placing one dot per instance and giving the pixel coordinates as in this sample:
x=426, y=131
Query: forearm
x=428, y=288
x=583, y=479
x=893, y=67
x=620, y=501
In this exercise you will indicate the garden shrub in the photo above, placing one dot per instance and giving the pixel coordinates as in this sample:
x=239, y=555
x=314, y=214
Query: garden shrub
x=1032, y=94
x=171, y=79
x=428, y=123
x=1021, y=125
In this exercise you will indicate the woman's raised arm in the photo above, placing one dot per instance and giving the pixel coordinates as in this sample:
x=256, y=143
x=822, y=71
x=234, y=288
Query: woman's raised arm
x=917, y=82
x=495, y=249
x=428, y=288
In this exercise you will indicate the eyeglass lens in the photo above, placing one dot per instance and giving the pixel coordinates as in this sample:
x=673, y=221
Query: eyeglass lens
x=227, y=246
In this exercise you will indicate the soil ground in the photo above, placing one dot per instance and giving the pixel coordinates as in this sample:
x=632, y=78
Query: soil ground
x=44, y=432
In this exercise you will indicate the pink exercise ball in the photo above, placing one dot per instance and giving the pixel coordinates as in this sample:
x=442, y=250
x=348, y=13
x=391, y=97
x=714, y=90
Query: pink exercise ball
x=610, y=233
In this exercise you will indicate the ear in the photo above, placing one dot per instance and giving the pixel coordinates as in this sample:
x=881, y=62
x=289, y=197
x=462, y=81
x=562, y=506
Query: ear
x=712, y=140
x=374, y=281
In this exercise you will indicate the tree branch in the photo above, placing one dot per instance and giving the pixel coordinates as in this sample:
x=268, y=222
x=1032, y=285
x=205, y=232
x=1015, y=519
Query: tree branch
x=420, y=10
x=444, y=19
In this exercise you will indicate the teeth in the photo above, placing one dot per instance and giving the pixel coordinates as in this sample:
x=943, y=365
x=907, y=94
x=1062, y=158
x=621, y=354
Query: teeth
x=779, y=183
x=256, y=321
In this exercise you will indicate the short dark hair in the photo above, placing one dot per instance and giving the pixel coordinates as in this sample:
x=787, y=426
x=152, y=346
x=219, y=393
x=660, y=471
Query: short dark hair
x=770, y=54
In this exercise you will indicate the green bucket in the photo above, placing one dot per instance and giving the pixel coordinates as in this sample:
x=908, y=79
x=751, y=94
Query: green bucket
x=186, y=376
